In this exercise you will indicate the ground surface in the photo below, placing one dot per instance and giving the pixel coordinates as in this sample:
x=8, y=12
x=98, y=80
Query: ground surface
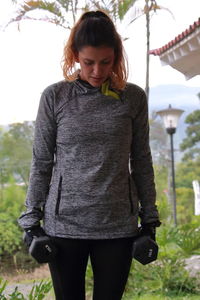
x=193, y=265
x=24, y=280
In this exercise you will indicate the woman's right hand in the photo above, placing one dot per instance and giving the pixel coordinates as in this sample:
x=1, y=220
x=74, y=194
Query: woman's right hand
x=30, y=233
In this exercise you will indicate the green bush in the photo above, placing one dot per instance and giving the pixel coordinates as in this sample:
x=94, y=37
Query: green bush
x=166, y=276
x=10, y=235
x=185, y=207
x=10, y=208
x=182, y=240
x=12, y=199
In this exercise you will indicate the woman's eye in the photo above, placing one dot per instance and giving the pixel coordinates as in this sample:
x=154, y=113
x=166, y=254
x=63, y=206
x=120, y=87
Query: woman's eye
x=88, y=63
x=105, y=62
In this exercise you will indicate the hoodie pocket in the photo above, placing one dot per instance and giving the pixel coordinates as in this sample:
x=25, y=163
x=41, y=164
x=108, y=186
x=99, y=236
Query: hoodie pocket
x=58, y=196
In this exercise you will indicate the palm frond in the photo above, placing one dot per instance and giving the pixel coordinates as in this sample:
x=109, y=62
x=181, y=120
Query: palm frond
x=154, y=7
x=124, y=6
x=48, y=6
x=158, y=7
x=53, y=8
x=116, y=9
x=65, y=4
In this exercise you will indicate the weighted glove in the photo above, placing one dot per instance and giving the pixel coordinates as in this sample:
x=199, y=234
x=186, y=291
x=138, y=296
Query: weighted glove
x=30, y=233
x=40, y=245
x=148, y=230
x=145, y=248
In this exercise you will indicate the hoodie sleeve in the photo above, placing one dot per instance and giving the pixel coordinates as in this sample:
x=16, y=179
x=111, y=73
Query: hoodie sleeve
x=42, y=162
x=141, y=162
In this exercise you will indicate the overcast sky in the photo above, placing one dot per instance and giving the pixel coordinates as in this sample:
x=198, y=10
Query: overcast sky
x=30, y=58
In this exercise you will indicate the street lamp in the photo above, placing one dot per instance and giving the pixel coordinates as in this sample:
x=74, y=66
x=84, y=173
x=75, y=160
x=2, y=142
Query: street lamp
x=170, y=118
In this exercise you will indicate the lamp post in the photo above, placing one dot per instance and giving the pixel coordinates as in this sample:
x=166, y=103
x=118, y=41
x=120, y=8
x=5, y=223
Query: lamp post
x=170, y=118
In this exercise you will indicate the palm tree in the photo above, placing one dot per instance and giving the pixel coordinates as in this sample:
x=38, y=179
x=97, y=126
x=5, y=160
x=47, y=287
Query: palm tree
x=150, y=7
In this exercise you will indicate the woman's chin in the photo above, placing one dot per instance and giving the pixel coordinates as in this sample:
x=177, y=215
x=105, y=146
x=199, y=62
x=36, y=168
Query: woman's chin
x=96, y=82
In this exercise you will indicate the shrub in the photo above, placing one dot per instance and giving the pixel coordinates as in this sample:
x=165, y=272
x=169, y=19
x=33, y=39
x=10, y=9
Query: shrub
x=10, y=234
x=10, y=208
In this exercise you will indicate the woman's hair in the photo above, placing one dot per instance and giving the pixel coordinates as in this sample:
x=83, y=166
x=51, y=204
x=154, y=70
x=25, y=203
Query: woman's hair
x=95, y=29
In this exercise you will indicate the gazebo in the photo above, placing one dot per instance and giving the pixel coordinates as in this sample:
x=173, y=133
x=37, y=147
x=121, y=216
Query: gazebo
x=183, y=52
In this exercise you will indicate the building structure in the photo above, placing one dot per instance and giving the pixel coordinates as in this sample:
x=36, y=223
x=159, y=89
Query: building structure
x=183, y=52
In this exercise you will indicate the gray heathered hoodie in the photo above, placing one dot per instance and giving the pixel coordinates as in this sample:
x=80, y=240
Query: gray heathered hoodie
x=91, y=163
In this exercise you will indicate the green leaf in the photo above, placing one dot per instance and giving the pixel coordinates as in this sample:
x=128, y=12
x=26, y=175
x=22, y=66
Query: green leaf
x=124, y=6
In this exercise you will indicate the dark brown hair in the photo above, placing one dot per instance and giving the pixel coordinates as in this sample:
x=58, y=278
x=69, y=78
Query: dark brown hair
x=95, y=29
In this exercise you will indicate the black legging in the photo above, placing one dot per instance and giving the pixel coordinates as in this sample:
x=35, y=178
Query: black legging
x=110, y=260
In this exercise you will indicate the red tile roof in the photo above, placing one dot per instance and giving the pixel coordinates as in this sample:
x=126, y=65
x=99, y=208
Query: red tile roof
x=177, y=39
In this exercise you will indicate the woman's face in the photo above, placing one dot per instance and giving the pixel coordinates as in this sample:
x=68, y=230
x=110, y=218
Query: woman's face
x=96, y=64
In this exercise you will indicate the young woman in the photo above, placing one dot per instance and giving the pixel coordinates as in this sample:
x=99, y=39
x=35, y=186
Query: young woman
x=91, y=176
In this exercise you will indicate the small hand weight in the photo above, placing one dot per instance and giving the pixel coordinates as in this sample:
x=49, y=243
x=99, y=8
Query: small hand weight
x=145, y=250
x=42, y=249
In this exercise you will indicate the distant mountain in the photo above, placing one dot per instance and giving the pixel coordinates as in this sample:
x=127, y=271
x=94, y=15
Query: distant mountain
x=179, y=96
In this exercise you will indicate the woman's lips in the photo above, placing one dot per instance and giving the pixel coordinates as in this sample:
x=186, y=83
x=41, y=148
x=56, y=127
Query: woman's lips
x=97, y=78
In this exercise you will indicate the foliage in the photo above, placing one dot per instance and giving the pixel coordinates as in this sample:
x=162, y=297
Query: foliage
x=192, y=141
x=16, y=151
x=11, y=205
x=54, y=10
x=162, y=192
x=89, y=277
x=180, y=240
x=12, y=199
x=189, y=237
x=10, y=235
x=166, y=276
x=185, y=204
x=38, y=291
x=186, y=172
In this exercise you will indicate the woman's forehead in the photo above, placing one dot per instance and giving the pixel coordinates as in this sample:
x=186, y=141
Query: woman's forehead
x=101, y=52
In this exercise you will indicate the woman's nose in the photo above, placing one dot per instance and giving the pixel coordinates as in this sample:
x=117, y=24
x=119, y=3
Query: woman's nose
x=97, y=69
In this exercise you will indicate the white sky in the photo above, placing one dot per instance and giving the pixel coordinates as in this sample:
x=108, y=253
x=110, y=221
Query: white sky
x=30, y=58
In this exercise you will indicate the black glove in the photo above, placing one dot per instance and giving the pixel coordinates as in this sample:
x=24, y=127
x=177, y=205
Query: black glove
x=149, y=229
x=40, y=245
x=30, y=233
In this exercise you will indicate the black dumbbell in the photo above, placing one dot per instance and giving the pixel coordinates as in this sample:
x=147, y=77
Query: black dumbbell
x=42, y=249
x=145, y=250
